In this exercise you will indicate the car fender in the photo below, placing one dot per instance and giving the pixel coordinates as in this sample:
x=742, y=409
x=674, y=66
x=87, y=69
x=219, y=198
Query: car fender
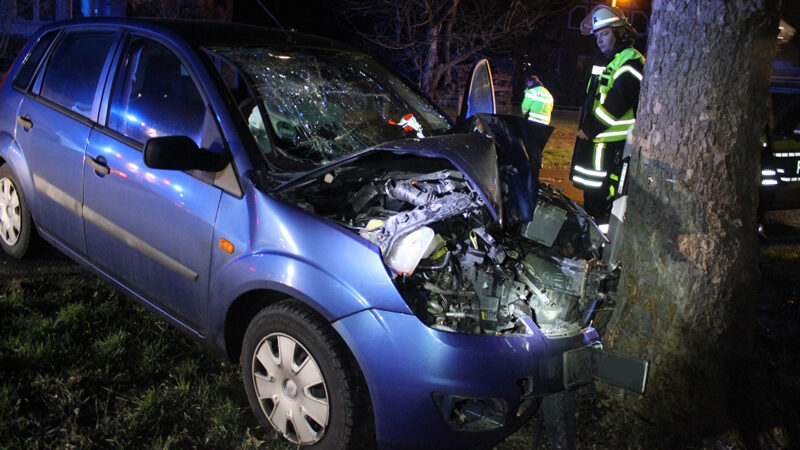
x=292, y=276
x=12, y=155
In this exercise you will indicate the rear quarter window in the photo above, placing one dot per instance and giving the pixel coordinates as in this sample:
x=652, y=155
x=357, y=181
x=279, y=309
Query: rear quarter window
x=25, y=73
x=73, y=71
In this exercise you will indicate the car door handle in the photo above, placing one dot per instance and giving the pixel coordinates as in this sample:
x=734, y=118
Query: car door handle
x=99, y=166
x=25, y=121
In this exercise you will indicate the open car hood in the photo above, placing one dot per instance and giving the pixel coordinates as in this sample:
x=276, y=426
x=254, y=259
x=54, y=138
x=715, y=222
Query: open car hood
x=499, y=156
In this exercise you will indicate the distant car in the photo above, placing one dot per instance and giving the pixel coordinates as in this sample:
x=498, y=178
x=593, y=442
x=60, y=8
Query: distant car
x=780, y=160
x=382, y=273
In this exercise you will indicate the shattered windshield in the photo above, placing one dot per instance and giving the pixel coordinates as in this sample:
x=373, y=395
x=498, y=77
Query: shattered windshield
x=321, y=106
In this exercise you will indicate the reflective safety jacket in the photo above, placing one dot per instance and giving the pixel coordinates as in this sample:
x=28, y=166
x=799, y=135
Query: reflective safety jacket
x=537, y=105
x=613, y=96
x=613, y=109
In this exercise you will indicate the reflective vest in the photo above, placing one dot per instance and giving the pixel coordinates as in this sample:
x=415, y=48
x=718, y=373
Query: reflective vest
x=617, y=126
x=589, y=168
x=537, y=105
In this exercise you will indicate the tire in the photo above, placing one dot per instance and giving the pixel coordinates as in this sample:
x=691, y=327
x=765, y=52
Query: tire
x=558, y=415
x=320, y=399
x=16, y=225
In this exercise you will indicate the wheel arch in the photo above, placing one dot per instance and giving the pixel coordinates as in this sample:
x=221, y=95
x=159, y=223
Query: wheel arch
x=11, y=155
x=241, y=312
x=245, y=286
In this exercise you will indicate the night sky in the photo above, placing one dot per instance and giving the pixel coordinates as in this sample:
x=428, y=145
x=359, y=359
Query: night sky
x=304, y=16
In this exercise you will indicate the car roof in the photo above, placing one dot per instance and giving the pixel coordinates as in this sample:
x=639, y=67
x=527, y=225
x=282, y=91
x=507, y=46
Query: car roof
x=204, y=33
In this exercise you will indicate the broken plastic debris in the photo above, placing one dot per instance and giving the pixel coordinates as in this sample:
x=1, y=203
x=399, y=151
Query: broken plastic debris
x=409, y=123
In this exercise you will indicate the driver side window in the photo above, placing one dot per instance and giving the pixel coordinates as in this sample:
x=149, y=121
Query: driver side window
x=154, y=95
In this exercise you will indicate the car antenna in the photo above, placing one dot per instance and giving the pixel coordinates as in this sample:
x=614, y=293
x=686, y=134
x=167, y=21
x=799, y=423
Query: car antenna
x=288, y=35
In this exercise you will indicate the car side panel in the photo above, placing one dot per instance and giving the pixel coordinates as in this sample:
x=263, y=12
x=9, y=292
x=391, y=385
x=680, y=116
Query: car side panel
x=54, y=150
x=151, y=228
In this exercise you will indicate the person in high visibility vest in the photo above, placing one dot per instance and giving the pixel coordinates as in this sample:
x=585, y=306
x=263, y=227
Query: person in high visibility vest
x=608, y=112
x=537, y=105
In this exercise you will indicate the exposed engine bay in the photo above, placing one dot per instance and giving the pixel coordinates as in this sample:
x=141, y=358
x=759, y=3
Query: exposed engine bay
x=457, y=268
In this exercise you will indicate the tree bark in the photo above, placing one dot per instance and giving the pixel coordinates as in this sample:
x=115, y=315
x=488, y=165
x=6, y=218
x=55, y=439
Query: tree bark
x=689, y=279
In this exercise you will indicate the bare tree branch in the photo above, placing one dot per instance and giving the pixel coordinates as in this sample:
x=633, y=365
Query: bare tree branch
x=431, y=38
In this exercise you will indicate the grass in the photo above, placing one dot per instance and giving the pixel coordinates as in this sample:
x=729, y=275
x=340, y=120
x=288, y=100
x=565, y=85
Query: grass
x=558, y=151
x=80, y=366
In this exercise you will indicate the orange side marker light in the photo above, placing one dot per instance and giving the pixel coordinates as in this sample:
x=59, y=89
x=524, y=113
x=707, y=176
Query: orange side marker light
x=226, y=245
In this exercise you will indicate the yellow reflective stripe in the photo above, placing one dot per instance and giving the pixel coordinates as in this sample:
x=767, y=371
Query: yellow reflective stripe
x=539, y=98
x=586, y=182
x=540, y=118
x=598, y=156
x=610, y=121
x=612, y=134
x=610, y=192
x=630, y=69
x=594, y=173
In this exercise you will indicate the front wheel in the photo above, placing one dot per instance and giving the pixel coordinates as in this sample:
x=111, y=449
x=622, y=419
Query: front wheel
x=16, y=225
x=301, y=379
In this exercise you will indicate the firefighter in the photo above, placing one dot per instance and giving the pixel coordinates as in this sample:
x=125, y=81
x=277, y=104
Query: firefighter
x=609, y=110
x=537, y=105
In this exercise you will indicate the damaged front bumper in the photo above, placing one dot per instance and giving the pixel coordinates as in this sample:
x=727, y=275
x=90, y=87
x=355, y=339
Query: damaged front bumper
x=431, y=388
x=583, y=365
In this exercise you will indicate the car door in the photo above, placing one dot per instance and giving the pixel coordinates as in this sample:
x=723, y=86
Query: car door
x=152, y=229
x=53, y=124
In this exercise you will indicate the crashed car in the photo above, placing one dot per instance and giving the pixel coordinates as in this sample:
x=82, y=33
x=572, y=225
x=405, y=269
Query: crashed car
x=382, y=273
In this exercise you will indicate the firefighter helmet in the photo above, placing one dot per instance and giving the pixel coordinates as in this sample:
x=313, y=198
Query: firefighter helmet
x=605, y=16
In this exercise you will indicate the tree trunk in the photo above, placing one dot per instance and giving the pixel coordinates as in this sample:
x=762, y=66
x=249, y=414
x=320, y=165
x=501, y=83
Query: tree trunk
x=689, y=255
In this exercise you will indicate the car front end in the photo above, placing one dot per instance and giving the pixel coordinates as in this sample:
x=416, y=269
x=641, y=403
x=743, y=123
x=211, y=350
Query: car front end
x=500, y=315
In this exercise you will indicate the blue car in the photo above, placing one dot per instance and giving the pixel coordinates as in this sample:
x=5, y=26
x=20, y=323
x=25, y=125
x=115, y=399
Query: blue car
x=385, y=275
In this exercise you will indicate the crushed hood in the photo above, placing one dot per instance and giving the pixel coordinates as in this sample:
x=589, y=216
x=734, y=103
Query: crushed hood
x=499, y=156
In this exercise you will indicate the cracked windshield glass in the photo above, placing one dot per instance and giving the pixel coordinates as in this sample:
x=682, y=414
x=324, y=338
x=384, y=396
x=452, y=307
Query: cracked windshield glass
x=320, y=107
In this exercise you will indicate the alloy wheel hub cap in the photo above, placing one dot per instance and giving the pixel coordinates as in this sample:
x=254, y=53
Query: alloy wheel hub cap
x=291, y=389
x=10, y=219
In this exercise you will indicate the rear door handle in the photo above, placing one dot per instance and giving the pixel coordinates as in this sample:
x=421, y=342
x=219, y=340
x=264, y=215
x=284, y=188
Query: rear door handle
x=25, y=121
x=99, y=165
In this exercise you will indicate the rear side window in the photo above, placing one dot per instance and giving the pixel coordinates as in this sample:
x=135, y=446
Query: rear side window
x=28, y=68
x=73, y=71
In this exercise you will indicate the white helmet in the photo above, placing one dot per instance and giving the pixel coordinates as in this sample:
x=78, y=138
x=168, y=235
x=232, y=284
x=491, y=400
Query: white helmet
x=604, y=16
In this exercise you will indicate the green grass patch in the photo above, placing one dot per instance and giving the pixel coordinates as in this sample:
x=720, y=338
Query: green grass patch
x=83, y=367
x=558, y=151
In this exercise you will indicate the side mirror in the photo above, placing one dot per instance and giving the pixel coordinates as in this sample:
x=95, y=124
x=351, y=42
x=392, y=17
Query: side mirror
x=181, y=153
